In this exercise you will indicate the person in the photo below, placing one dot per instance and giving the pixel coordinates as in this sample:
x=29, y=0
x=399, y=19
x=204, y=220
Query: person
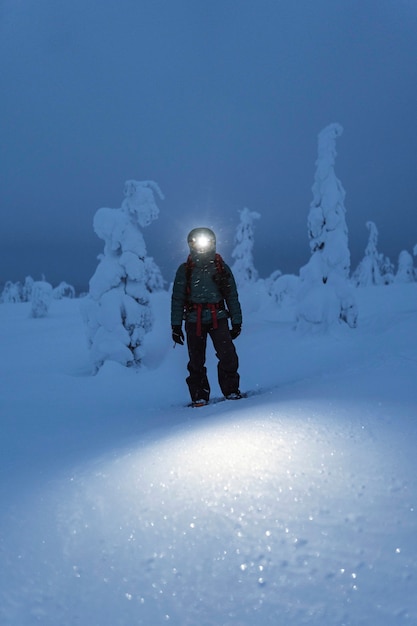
x=205, y=295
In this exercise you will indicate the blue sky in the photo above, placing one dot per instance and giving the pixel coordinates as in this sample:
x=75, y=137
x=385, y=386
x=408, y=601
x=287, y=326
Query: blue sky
x=219, y=102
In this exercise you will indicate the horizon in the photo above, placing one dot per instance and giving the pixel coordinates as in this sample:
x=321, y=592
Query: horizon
x=45, y=264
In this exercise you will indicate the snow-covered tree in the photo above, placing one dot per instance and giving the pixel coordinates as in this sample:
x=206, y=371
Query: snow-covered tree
x=41, y=298
x=243, y=267
x=12, y=292
x=18, y=292
x=64, y=290
x=405, y=272
x=283, y=288
x=368, y=271
x=375, y=268
x=325, y=296
x=27, y=288
x=387, y=270
x=117, y=310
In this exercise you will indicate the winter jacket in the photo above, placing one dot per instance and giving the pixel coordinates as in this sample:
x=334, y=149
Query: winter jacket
x=206, y=286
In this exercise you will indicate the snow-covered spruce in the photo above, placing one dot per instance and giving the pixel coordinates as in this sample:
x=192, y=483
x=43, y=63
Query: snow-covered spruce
x=41, y=298
x=283, y=288
x=375, y=268
x=12, y=293
x=16, y=292
x=117, y=311
x=405, y=272
x=243, y=268
x=63, y=290
x=325, y=295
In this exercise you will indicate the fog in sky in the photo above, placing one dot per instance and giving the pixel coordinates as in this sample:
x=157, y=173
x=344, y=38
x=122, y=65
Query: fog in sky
x=220, y=102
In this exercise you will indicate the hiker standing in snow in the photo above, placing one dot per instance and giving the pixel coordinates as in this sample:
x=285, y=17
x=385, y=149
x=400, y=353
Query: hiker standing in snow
x=205, y=295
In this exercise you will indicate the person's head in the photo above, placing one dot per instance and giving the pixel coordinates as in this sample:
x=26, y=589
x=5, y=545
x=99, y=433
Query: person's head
x=202, y=240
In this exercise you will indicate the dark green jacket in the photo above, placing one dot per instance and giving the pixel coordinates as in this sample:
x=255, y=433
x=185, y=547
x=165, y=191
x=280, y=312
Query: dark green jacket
x=206, y=285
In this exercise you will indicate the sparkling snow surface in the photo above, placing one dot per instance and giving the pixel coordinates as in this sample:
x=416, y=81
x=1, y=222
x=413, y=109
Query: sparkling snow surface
x=297, y=505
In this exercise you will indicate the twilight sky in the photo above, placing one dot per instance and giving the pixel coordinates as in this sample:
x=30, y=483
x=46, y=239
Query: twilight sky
x=220, y=102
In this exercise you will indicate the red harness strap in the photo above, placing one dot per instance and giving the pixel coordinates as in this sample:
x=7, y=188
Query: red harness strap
x=213, y=307
x=213, y=310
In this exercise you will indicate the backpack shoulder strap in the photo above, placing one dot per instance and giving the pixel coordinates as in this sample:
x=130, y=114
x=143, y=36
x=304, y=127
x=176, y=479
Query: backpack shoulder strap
x=188, y=271
x=219, y=263
x=221, y=277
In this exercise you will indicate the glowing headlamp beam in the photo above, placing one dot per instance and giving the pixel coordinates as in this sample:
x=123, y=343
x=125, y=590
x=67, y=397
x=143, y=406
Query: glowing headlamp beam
x=202, y=241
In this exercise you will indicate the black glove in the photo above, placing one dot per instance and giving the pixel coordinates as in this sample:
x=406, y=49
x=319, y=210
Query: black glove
x=178, y=335
x=236, y=329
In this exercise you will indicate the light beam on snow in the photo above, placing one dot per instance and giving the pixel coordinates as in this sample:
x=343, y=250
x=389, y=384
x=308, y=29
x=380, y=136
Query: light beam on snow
x=241, y=517
x=204, y=468
x=224, y=453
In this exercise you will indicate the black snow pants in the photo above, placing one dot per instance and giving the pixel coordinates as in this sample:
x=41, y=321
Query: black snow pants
x=228, y=362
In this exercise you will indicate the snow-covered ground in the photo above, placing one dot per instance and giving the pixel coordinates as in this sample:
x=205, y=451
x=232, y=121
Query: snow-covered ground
x=297, y=505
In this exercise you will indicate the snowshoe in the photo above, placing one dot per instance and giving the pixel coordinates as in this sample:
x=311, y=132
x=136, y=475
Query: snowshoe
x=234, y=396
x=198, y=403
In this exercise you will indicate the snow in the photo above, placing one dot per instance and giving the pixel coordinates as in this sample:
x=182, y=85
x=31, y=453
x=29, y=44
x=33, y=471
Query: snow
x=297, y=505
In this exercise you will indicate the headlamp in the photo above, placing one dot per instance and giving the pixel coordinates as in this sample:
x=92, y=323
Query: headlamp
x=202, y=240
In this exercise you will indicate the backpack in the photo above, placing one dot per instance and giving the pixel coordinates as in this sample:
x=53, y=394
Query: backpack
x=220, y=278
